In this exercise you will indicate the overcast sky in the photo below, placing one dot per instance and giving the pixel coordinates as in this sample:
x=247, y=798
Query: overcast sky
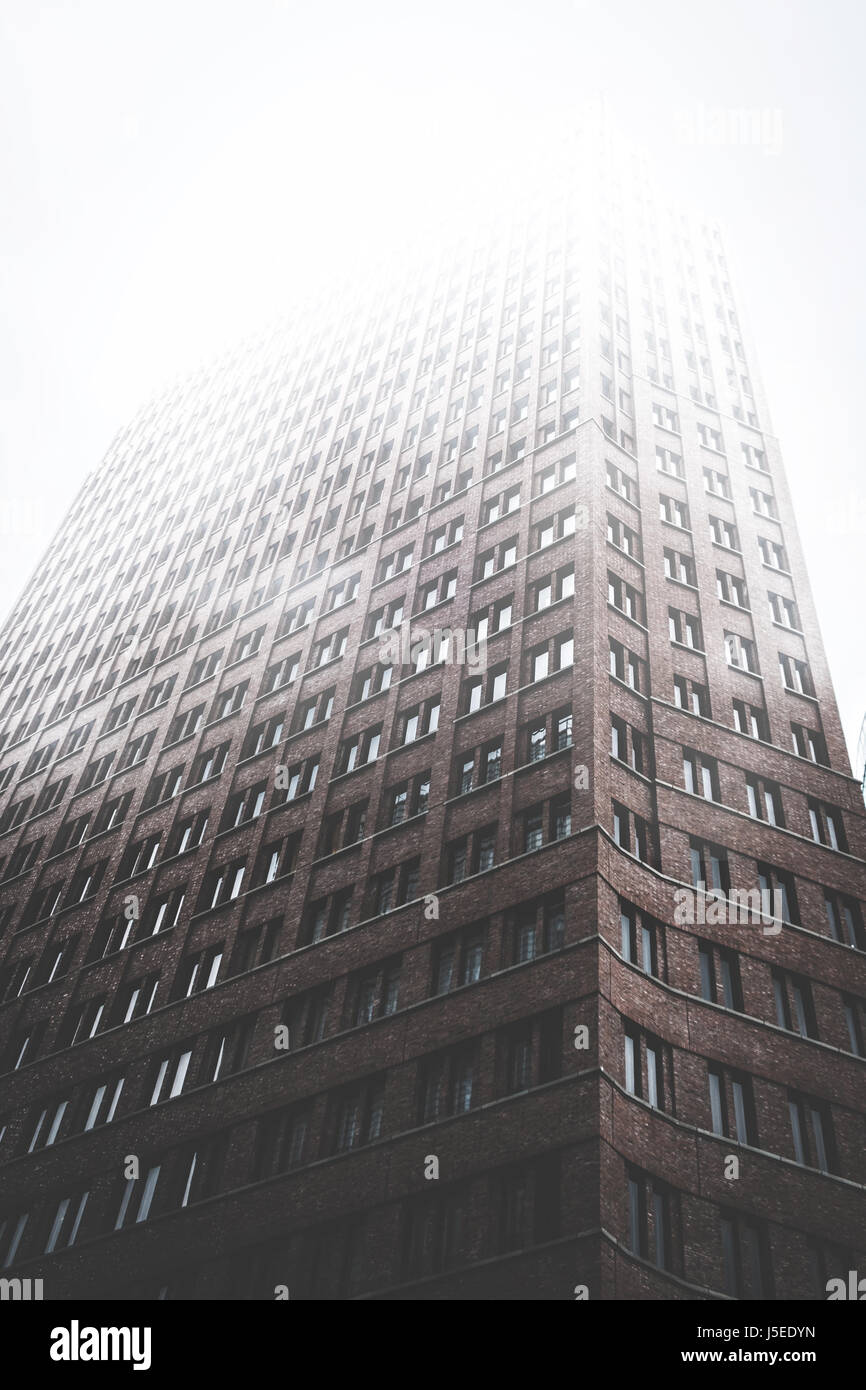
x=174, y=171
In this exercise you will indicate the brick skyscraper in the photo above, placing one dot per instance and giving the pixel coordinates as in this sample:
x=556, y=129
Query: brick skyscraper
x=299, y=907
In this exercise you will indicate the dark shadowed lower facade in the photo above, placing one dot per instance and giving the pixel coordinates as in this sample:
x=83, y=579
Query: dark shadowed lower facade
x=430, y=862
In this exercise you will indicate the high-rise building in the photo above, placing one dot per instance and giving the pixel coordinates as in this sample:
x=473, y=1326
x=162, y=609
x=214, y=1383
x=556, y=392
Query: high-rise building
x=430, y=861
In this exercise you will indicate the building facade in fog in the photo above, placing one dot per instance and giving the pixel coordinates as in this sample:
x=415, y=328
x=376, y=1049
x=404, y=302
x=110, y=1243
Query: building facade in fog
x=430, y=863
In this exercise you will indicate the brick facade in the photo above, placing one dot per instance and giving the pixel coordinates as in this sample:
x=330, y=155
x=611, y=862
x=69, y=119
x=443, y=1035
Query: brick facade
x=331, y=924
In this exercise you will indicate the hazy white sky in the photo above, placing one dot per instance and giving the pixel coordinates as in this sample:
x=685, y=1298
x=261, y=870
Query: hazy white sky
x=174, y=171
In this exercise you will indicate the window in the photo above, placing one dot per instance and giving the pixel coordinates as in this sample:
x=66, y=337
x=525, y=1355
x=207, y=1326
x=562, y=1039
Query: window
x=407, y=799
x=812, y=1133
x=281, y=1138
x=437, y=590
x=139, y=856
x=668, y=461
x=826, y=825
x=741, y=652
x=85, y=883
x=778, y=887
x=809, y=743
x=470, y=854
x=623, y=537
x=100, y=1103
x=650, y=1218
x=120, y=715
x=314, y=709
x=198, y=972
x=732, y=589
x=732, y=1106
x=355, y=1117
x=632, y=833
x=483, y=690
x=358, y=750
x=137, y=1196
x=500, y=505
x=45, y=1127
x=665, y=418
x=162, y=912
x=229, y=701
x=751, y=720
x=554, y=474
x=393, y=887
x=529, y=1053
x=536, y=928
x=724, y=533
x=642, y=941
x=443, y=536
x=625, y=665
x=796, y=675
x=419, y=720
x=533, y=829
x=205, y=667
x=754, y=457
x=795, y=1009
x=648, y=1064
x=222, y=885
x=434, y=1233
x=384, y=619
x=746, y=1256
x=185, y=725
x=709, y=866
x=162, y=787
x=853, y=1010
x=679, y=567
x=717, y=482
x=673, y=511
x=628, y=744
x=326, y=916
x=329, y=648
x=395, y=563
x=226, y=1049
x=685, y=628
x=497, y=558
x=765, y=800
x=710, y=437
x=784, y=611
x=276, y=859
x=772, y=554
x=844, y=919
x=255, y=946
x=66, y=1223
x=169, y=1075
x=458, y=958
x=526, y=1201
x=134, y=1000
x=373, y=993
x=763, y=503
x=446, y=1082
x=701, y=775
x=343, y=592
x=95, y=772
x=244, y=806
x=720, y=976
x=554, y=528
x=372, y=680
x=624, y=597
x=691, y=695
x=208, y=764
x=296, y=617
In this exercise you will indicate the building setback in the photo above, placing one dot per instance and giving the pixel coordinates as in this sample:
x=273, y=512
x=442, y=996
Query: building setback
x=381, y=738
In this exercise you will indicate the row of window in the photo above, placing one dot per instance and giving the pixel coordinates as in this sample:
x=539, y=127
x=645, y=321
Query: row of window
x=650, y=1073
x=507, y=1210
